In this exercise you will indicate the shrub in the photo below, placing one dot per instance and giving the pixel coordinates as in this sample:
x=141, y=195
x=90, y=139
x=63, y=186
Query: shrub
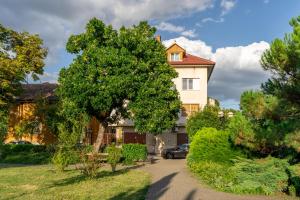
x=210, y=144
x=114, y=156
x=206, y=118
x=293, y=140
x=217, y=175
x=264, y=176
x=28, y=158
x=25, y=154
x=241, y=132
x=91, y=162
x=134, y=152
x=67, y=150
x=64, y=157
x=294, y=175
x=261, y=176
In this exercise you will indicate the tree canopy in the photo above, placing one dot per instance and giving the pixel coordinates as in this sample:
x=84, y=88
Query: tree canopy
x=121, y=74
x=208, y=117
x=283, y=61
x=21, y=54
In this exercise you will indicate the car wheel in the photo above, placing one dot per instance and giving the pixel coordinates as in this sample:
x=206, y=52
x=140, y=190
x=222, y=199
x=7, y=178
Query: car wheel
x=169, y=156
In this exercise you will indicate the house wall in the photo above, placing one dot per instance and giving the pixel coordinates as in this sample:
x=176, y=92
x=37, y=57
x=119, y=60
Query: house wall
x=192, y=96
x=25, y=111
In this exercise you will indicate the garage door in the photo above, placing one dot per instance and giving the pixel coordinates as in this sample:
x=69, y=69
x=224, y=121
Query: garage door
x=133, y=137
x=182, y=138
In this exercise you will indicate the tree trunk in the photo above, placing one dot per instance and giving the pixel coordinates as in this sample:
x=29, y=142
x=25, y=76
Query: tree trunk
x=100, y=136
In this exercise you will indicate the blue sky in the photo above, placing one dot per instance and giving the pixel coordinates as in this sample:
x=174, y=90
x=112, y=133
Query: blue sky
x=234, y=33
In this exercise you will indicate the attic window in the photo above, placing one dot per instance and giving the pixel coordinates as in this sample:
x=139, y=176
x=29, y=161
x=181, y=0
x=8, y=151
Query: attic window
x=175, y=57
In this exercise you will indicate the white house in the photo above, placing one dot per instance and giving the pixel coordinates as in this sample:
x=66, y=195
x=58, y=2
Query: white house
x=193, y=75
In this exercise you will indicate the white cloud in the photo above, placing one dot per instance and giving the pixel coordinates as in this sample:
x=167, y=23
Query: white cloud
x=209, y=19
x=237, y=68
x=227, y=5
x=55, y=20
x=165, y=26
x=189, y=33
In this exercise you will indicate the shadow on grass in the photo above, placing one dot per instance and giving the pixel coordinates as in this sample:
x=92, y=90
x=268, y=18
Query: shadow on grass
x=82, y=177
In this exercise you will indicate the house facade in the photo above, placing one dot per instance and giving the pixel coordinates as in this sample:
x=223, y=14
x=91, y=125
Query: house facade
x=193, y=75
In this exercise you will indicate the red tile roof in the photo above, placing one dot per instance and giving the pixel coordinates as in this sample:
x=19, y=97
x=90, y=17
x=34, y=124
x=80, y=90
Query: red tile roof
x=189, y=59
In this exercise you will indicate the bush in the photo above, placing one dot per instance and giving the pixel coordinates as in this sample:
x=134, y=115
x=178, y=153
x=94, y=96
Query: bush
x=241, y=131
x=294, y=175
x=134, y=152
x=261, y=176
x=114, y=156
x=17, y=148
x=25, y=154
x=28, y=158
x=206, y=118
x=67, y=152
x=210, y=144
x=64, y=157
x=217, y=175
x=293, y=140
x=91, y=162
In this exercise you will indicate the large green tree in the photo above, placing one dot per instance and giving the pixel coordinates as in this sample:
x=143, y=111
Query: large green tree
x=120, y=74
x=21, y=54
x=283, y=61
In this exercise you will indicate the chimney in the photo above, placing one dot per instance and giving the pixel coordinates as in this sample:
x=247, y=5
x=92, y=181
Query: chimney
x=158, y=38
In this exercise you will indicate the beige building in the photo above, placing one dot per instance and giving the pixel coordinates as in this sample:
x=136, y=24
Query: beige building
x=193, y=74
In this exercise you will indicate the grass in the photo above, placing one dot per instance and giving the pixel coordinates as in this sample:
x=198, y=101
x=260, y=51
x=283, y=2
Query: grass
x=43, y=182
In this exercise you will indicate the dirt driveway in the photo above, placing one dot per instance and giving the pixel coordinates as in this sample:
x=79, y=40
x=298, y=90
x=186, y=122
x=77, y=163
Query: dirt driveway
x=172, y=181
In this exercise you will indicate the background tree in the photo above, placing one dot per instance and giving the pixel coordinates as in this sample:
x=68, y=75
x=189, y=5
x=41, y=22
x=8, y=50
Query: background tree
x=208, y=117
x=283, y=61
x=120, y=74
x=21, y=54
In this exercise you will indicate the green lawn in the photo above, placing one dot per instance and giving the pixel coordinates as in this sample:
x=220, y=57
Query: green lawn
x=43, y=182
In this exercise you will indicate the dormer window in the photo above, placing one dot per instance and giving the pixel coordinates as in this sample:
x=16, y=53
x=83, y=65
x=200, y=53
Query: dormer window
x=175, y=57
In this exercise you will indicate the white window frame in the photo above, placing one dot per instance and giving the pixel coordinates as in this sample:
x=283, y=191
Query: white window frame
x=191, y=84
x=175, y=58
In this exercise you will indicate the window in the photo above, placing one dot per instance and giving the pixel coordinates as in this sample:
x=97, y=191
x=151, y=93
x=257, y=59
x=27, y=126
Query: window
x=188, y=109
x=190, y=84
x=175, y=57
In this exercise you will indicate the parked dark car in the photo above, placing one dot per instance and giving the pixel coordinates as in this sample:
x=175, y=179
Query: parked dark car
x=19, y=142
x=178, y=152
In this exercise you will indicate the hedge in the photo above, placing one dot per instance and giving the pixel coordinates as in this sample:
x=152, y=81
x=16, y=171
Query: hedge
x=8, y=149
x=134, y=152
x=25, y=153
x=210, y=144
